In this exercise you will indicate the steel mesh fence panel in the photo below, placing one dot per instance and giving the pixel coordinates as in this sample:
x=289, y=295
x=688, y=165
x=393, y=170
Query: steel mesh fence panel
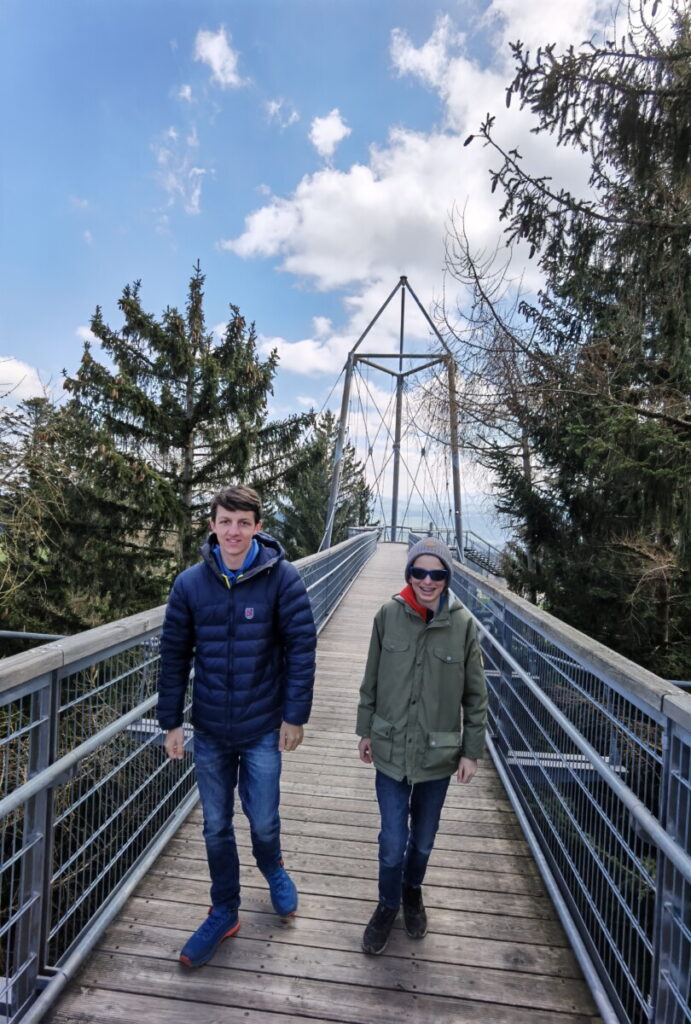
x=555, y=723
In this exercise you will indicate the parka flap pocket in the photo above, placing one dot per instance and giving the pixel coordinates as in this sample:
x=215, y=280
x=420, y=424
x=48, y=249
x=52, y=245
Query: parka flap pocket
x=448, y=657
x=381, y=727
x=443, y=752
x=444, y=739
x=381, y=735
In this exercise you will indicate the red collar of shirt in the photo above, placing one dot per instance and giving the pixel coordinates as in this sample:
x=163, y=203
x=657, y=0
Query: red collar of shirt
x=408, y=595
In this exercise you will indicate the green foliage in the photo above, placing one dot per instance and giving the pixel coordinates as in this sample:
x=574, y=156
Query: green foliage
x=109, y=495
x=299, y=516
x=179, y=415
x=49, y=530
x=604, y=395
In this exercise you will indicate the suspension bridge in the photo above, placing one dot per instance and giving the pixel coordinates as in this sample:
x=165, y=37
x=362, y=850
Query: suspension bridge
x=558, y=890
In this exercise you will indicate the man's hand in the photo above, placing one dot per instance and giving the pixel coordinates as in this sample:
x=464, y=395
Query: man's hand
x=174, y=744
x=365, y=749
x=467, y=769
x=290, y=736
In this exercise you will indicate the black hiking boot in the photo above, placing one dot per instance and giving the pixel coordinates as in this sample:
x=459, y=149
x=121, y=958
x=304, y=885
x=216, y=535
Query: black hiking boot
x=378, y=930
x=414, y=915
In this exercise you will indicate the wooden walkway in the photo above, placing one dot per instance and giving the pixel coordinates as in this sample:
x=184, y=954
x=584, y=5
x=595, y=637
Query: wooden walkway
x=495, y=952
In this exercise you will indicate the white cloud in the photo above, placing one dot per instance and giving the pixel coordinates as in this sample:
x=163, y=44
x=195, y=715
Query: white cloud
x=307, y=402
x=430, y=60
x=88, y=237
x=327, y=132
x=366, y=224
x=79, y=204
x=567, y=23
x=310, y=357
x=281, y=112
x=179, y=176
x=18, y=381
x=321, y=326
x=185, y=93
x=214, y=49
x=358, y=230
x=86, y=334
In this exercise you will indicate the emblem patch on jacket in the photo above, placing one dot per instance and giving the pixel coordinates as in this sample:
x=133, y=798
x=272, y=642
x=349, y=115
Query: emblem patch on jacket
x=249, y=613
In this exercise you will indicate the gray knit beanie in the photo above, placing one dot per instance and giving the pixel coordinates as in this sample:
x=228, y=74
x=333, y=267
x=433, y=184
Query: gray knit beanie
x=430, y=546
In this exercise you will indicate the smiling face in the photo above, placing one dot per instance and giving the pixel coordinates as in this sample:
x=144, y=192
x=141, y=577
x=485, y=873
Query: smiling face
x=234, y=531
x=427, y=592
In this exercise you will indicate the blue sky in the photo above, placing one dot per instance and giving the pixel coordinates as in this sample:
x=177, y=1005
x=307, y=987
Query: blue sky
x=307, y=152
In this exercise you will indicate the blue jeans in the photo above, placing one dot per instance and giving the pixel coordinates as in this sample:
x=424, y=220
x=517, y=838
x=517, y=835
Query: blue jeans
x=255, y=768
x=409, y=822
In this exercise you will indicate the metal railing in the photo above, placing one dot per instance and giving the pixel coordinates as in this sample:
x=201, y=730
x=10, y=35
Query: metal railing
x=595, y=753
x=480, y=552
x=87, y=799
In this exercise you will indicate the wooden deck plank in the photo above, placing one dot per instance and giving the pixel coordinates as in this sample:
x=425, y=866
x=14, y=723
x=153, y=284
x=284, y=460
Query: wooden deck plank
x=470, y=946
x=356, y=847
x=345, y=965
x=227, y=986
x=495, y=951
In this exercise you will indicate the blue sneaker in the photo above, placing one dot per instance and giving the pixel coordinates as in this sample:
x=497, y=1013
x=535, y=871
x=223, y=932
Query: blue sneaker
x=284, y=895
x=200, y=947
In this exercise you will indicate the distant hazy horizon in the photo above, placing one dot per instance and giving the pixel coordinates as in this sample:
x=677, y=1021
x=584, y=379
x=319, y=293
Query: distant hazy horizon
x=476, y=513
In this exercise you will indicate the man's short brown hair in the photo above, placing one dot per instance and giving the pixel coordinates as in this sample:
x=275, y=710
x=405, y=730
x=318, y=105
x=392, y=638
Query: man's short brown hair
x=237, y=498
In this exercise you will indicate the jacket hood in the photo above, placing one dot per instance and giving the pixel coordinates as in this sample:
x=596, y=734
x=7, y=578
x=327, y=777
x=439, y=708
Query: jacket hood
x=270, y=552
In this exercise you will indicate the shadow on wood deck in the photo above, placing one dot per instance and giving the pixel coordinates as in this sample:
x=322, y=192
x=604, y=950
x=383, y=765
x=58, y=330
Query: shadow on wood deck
x=495, y=951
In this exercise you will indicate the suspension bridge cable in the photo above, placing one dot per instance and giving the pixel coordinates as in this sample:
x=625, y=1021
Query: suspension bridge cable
x=324, y=403
x=371, y=446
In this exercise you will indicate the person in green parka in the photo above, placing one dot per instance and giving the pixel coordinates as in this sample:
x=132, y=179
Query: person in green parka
x=422, y=717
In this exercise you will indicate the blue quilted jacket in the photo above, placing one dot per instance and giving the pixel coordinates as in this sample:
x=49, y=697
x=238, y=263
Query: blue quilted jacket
x=253, y=644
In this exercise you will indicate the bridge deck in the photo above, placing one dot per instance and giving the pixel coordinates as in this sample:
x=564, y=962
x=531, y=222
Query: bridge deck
x=495, y=951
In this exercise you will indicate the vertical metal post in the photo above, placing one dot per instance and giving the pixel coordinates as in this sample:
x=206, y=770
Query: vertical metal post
x=399, y=411
x=34, y=884
x=338, y=455
x=670, y=966
x=455, y=462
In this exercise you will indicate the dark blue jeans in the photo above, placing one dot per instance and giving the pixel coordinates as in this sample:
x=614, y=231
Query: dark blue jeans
x=255, y=769
x=409, y=822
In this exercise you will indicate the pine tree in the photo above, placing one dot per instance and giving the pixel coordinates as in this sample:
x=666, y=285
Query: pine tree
x=170, y=416
x=605, y=404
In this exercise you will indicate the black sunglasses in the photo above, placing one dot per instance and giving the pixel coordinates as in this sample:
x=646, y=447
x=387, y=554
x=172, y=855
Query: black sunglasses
x=436, y=575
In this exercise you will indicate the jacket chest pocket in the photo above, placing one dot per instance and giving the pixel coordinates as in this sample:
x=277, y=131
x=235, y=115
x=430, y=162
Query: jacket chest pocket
x=395, y=653
x=394, y=645
x=450, y=660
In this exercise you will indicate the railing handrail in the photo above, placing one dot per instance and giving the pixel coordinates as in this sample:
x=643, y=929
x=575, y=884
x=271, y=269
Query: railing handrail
x=50, y=775
x=623, y=674
x=20, y=668
x=485, y=543
x=648, y=822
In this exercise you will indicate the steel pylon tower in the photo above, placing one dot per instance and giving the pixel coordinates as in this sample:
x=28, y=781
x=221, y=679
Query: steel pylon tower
x=444, y=357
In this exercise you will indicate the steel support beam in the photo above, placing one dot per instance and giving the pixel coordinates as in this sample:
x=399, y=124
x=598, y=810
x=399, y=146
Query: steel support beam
x=338, y=454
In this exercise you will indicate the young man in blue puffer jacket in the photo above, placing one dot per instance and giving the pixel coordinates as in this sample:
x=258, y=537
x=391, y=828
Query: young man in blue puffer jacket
x=243, y=614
